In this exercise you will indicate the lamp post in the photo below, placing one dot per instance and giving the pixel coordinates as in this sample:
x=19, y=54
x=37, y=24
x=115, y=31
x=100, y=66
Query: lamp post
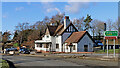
x=104, y=39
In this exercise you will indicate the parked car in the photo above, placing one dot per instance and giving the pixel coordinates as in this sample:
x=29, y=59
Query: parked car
x=98, y=43
x=7, y=50
x=24, y=51
x=11, y=49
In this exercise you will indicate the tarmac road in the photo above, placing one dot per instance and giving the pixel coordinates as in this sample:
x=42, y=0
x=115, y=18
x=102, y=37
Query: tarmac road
x=36, y=61
x=53, y=61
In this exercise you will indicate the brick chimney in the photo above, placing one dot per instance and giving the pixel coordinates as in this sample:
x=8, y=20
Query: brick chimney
x=66, y=21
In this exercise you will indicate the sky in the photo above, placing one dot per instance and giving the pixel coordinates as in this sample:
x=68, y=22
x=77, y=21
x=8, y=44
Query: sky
x=31, y=12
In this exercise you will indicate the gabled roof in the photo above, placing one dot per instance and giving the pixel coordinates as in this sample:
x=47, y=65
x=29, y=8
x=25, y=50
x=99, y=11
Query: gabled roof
x=77, y=36
x=68, y=27
x=52, y=29
x=60, y=30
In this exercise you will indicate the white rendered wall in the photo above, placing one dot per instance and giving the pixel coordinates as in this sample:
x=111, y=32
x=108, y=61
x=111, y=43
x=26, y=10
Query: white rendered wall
x=41, y=48
x=59, y=41
x=68, y=50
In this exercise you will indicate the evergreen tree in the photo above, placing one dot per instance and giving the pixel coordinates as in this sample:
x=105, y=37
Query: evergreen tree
x=87, y=22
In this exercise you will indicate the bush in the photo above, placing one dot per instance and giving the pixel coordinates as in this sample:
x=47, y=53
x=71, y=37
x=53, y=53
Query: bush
x=4, y=64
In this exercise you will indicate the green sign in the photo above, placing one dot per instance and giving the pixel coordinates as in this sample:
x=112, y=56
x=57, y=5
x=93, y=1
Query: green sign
x=111, y=33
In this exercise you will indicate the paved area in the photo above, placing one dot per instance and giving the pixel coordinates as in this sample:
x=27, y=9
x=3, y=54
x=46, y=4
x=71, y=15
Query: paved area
x=37, y=61
x=56, y=61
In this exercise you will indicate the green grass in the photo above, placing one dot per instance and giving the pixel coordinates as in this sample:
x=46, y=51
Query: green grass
x=4, y=64
x=109, y=51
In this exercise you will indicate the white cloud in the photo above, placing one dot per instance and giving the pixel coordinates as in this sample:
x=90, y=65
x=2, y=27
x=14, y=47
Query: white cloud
x=28, y=3
x=53, y=9
x=4, y=16
x=19, y=8
x=74, y=7
x=50, y=7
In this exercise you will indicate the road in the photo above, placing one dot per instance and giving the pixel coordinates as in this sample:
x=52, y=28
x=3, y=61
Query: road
x=53, y=61
x=36, y=61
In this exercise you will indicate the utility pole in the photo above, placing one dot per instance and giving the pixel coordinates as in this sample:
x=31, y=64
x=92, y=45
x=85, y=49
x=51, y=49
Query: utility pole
x=104, y=38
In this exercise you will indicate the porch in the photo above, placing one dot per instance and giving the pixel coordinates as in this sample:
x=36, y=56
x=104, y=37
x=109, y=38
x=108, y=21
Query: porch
x=43, y=46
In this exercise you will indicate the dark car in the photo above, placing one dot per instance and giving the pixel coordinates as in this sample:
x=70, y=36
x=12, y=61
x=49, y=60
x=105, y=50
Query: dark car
x=98, y=43
x=11, y=49
x=7, y=50
x=24, y=51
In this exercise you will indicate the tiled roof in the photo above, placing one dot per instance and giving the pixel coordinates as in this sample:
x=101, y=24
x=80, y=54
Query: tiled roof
x=75, y=37
x=52, y=29
x=58, y=30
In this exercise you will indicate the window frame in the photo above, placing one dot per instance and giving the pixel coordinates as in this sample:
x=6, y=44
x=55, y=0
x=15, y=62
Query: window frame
x=57, y=46
x=74, y=48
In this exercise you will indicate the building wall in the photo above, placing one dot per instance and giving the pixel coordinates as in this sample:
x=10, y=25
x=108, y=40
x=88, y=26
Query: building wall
x=47, y=38
x=59, y=41
x=85, y=41
x=53, y=46
x=65, y=36
x=79, y=47
x=68, y=50
x=41, y=48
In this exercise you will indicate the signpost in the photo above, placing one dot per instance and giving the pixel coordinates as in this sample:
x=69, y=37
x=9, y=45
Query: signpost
x=110, y=35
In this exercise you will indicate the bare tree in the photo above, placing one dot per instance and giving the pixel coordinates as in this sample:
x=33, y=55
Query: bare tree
x=98, y=27
x=79, y=23
x=115, y=25
x=21, y=29
x=58, y=18
x=109, y=24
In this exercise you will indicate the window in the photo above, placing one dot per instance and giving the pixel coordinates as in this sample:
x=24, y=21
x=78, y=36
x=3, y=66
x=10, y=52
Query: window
x=44, y=45
x=86, y=48
x=66, y=47
x=57, y=46
x=74, y=47
x=47, y=45
x=56, y=35
x=39, y=45
x=47, y=36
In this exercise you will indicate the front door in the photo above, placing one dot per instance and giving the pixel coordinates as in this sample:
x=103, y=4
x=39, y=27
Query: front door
x=86, y=48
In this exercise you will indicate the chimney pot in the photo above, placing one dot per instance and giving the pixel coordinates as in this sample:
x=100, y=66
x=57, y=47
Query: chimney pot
x=66, y=17
x=66, y=21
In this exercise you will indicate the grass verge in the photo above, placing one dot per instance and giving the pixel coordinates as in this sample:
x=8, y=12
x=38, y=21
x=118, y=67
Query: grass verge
x=4, y=64
x=109, y=51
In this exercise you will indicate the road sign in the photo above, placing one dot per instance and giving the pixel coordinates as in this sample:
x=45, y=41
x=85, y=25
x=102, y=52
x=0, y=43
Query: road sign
x=111, y=33
x=112, y=37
